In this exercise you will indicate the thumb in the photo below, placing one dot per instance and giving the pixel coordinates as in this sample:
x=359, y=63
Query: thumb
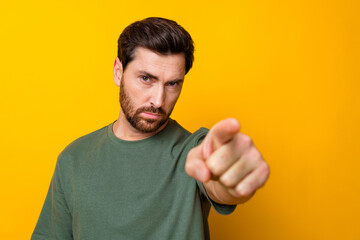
x=221, y=133
x=195, y=165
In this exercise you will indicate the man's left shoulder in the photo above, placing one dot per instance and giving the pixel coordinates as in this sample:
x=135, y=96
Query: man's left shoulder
x=191, y=139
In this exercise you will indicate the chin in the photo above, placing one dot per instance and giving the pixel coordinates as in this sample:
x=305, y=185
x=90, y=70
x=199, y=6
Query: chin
x=147, y=126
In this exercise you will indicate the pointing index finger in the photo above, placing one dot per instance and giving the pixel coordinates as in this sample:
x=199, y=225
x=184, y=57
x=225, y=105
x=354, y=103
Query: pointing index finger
x=219, y=134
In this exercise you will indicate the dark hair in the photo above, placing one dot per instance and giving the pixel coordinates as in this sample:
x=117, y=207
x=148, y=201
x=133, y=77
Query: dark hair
x=157, y=34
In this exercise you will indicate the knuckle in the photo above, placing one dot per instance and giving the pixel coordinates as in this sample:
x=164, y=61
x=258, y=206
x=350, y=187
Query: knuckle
x=218, y=162
x=246, y=141
x=227, y=180
x=254, y=154
x=264, y=172
x=267, y=170
x=224, y=155
x=245, y=190
x=213, y=166
x=191, y=153
x=189, y=166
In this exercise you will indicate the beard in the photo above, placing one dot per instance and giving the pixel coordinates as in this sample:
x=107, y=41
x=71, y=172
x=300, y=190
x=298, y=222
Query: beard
x=144, y=125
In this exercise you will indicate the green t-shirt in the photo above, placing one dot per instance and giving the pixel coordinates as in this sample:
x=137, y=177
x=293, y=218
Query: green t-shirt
x=107, y=188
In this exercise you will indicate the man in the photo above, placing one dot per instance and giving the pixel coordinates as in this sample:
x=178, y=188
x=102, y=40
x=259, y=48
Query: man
x=144, y=176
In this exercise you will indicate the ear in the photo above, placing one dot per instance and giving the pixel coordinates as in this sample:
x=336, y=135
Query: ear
x=118, y=71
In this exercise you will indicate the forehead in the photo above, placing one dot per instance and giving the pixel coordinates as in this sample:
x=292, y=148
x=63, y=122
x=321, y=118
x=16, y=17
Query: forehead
x=156, y=63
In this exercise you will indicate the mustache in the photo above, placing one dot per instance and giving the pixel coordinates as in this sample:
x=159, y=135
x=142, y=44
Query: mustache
x=151, y=109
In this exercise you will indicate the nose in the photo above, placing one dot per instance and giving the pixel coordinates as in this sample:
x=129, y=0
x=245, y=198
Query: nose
x=158, y=96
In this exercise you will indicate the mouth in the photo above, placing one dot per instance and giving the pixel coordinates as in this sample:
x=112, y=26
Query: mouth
x=150, y=115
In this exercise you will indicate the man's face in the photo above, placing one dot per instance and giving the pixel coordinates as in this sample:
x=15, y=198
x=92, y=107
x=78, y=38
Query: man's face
x=150, y=87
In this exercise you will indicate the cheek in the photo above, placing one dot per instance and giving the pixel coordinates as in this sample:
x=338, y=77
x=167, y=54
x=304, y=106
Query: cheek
x=139, y=96
x=172, y=99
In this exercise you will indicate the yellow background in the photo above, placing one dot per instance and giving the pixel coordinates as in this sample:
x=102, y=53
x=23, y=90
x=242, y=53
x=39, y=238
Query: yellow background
x=288, y=70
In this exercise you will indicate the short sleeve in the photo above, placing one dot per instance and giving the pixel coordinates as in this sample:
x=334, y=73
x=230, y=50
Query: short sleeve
x=223, y=209
x=55, y=221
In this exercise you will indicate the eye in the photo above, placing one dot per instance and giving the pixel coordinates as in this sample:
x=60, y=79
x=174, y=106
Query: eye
x=173, y=84
x=145, y=78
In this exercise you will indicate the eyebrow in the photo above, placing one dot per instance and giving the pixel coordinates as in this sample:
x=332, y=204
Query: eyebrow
x=148, y=74
x=156, y=78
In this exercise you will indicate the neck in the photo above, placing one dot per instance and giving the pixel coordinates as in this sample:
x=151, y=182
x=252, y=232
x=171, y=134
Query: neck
x=125, y=131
